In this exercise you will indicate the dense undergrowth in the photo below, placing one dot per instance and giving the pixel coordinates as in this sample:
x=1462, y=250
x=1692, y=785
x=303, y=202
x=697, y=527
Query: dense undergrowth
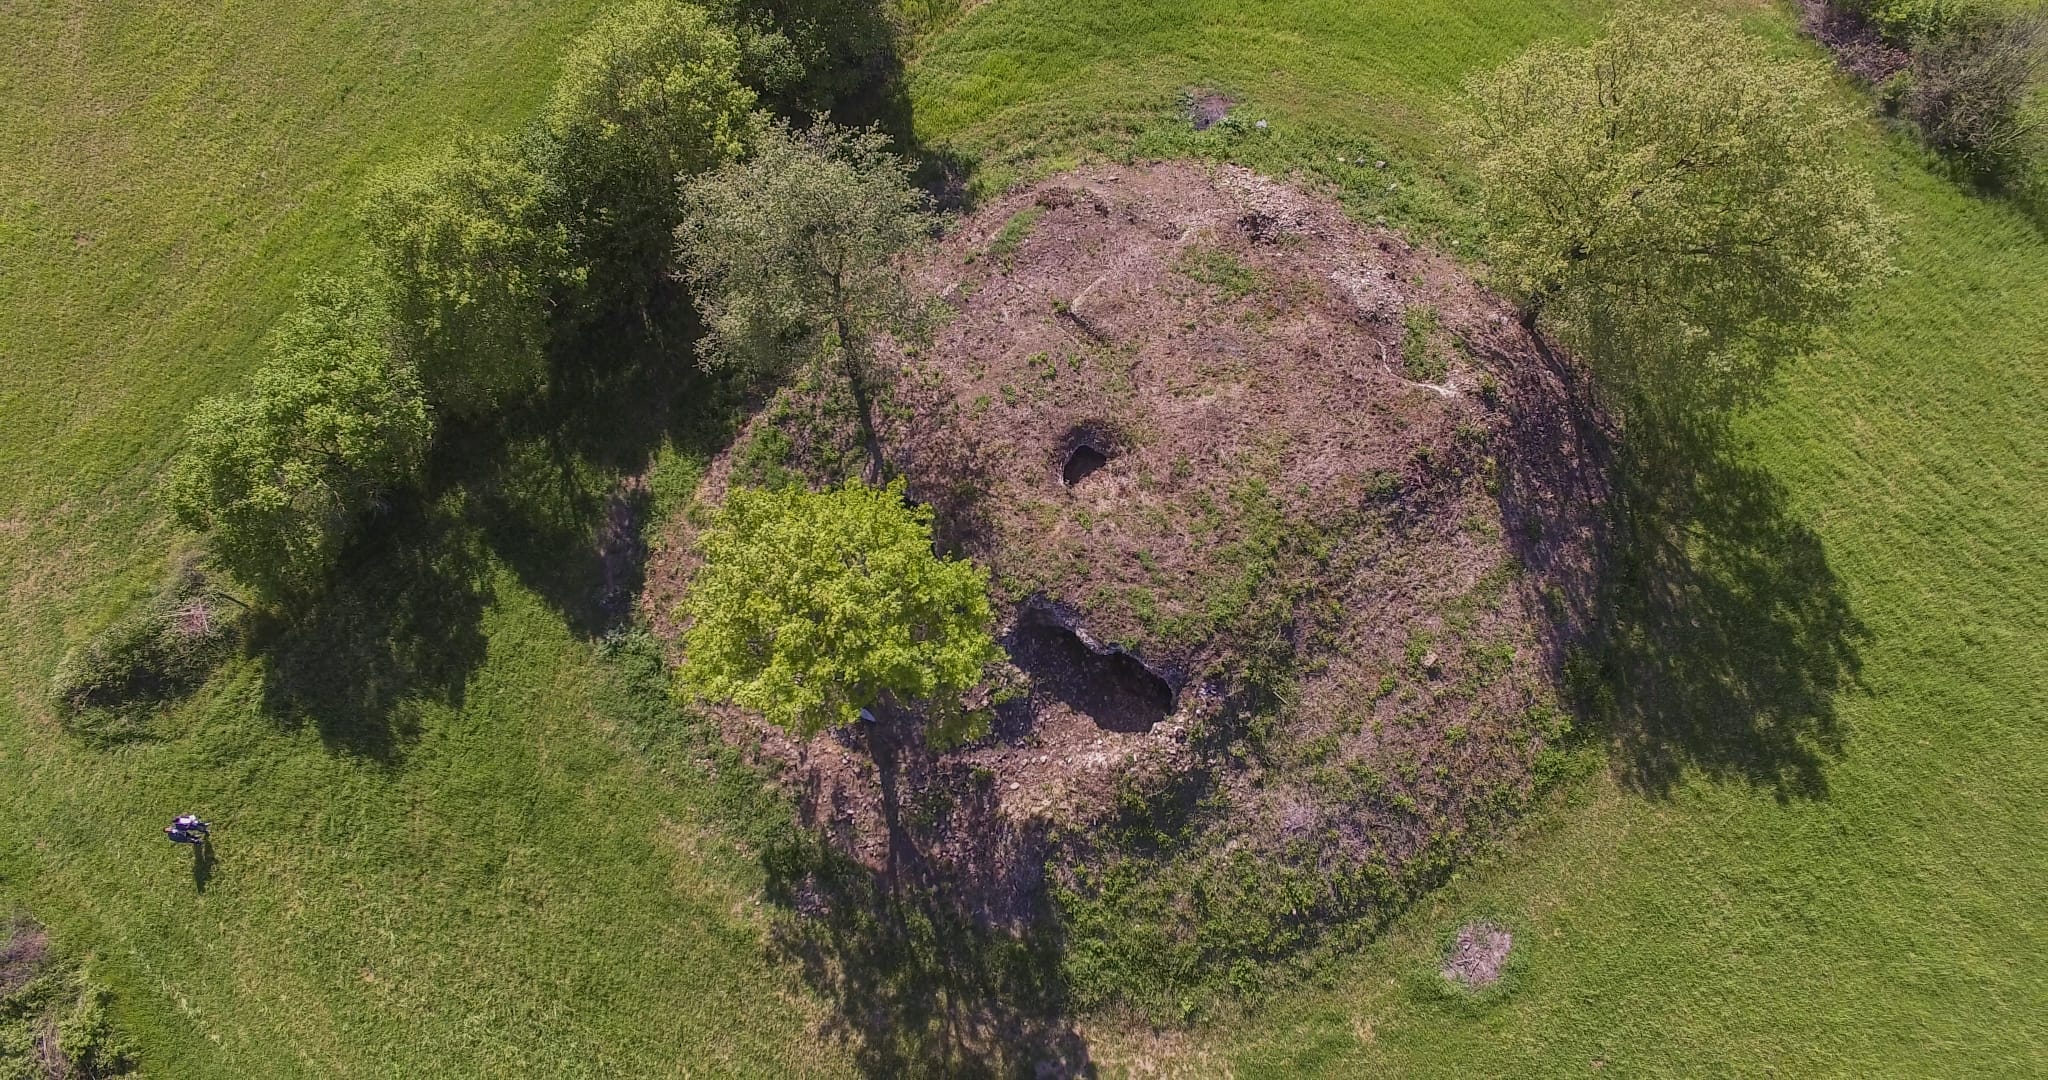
x=55, y=1019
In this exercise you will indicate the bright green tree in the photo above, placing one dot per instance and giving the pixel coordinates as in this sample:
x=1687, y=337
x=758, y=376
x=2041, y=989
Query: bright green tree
x=1673, y=200
x=811, y=606
x=650, y=94
x=791, y=256
x=476, y=256
x=279, y=475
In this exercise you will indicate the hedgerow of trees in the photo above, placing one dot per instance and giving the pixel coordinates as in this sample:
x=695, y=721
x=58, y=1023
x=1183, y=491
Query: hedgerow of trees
x=478, y=252
x=1672, y=200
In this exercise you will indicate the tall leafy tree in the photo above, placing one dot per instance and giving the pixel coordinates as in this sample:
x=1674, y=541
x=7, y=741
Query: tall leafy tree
x=476, y=255
x=1674, y=200
x=811, y=606
x=278, y=476
x=791, y=256
x=648, y=95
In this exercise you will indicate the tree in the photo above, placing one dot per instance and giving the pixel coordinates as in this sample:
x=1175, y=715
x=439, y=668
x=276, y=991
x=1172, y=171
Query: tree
x=816, y=56
x=475, y=255
x=1672, y=200
x=811, y=606
x=277, y=476
x=648, y=95
x=791, y=255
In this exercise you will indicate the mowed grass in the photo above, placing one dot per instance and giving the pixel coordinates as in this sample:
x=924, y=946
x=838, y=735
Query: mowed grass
x=533, y=885
x=1885, y=921
x=1891, y=926
x=523, y=882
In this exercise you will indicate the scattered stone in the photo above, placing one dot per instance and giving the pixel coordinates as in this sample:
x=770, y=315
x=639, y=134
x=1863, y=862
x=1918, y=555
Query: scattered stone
x=1479, y=954
x=1207, y=110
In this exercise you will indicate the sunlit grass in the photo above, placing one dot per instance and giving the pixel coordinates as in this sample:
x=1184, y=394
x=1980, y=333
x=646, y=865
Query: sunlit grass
x=520, y=892
x=1719, y=926
x=530, y=889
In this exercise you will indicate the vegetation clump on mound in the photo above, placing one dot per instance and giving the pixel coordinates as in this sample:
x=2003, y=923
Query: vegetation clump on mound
x=1287, y=623
x=55, y=1020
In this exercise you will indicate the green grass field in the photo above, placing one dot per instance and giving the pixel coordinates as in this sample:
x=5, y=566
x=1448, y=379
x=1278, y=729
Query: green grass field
x=1689, y=914
x=537, y=883
x=524, y=892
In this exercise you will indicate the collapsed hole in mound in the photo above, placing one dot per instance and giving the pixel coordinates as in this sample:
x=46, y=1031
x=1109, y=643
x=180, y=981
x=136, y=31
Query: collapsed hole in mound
x=1082, y=462
x=1086, y=448
x=1112, y=689
x=1206, y=110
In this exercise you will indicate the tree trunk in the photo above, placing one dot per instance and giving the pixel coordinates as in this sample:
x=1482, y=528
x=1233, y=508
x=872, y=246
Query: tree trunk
x=855, y=372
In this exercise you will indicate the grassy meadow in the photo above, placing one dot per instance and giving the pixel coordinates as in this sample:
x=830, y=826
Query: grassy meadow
x=1819, y=853
x=1816, y=847
x=467, y=871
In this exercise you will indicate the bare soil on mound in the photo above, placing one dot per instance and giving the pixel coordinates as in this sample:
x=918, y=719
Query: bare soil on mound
x=1279, y=509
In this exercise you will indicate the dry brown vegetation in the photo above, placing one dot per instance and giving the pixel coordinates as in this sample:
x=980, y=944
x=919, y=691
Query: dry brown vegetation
x=1291, y=526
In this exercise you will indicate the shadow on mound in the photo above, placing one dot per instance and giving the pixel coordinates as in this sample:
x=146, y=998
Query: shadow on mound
x=935, y=967
x=1725, y=634
x=1112, y=688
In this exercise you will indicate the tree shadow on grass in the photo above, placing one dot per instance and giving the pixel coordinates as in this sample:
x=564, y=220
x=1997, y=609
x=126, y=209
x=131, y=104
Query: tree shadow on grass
x=402, y=621
x=930, y=974
x=555, y=485
x=1730, y=634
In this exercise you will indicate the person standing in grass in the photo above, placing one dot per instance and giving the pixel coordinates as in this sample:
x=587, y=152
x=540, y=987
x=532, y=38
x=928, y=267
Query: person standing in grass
x=187, y=829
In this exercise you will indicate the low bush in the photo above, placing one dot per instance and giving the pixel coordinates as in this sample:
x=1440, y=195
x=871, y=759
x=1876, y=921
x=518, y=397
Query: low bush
x=160, y=649
x=1902, y=21
x=1969, y=89
x=55, y=1021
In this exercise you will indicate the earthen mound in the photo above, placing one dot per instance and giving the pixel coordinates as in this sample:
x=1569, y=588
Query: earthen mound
x=1277, y=505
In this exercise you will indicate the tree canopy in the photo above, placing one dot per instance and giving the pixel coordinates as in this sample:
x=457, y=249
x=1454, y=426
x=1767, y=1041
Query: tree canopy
x=1673, y=200
x=475, y=254
x=649, y=94
x=790, y=254
x=811, y=606
x=278, y=475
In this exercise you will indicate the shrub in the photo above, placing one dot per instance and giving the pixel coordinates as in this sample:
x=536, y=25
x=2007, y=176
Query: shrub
x=475, y=252
x=160, y=648
x=55, y=1020
x=1903, y=21
x=1970, y=85
x=278, y=476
